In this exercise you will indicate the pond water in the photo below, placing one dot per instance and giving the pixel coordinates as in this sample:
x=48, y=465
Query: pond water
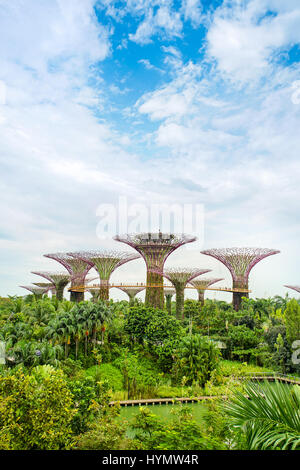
x=163, y=411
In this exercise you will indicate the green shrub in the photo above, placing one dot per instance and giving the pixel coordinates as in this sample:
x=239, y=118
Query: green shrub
x=108, y=373
x=36, y=410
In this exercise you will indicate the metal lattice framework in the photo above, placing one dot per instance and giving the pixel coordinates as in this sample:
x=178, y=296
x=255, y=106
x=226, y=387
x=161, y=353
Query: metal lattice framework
x=131, y=291
x=202, y=284
x=155, y=249
x=49, y=285
x=296, y=288
x=179, y=277
x=76, y=267
x=105, y=262
x=239, y=261
x=60, y=280
x=35, y=290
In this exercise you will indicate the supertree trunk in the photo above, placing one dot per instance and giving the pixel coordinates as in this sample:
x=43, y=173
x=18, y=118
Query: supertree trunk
x=179, y=301
x=154, y=295
x=155, y=249
x=60, y=292
x=131, y=298
x=169, y=302
x=104, y=290
x=237, y=296
x=201, y=297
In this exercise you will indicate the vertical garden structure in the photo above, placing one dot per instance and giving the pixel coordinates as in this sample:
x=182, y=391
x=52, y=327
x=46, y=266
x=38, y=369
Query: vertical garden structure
x=201, y=285
x=95, y=293
x=169, y=292
x=77, y=268
x=60, y=280
x=49, y=285
x=239, y=261
x=38, y=292
x=105, y=262
x=131, y=291
x=179, y=278
x=155, y=249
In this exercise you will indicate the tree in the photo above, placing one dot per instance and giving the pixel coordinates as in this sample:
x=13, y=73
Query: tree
x=36, y=410
x=197, y=357
x=268, y=415
x=181, y=433
x=292, y=321
x=104, y=433
x=152, y=325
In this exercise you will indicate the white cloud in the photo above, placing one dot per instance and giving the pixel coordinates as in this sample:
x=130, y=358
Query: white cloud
x=243, y=39
x=164, y=21
x=192, y=10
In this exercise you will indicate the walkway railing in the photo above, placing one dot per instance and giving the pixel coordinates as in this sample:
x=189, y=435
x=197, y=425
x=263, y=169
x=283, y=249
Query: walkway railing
x=269, y=376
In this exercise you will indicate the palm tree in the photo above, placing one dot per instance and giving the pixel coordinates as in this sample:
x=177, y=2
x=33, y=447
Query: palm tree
x=268, y=415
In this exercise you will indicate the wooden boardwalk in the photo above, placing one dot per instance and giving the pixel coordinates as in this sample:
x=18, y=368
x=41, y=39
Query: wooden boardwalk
x=172, y=401
x=164, y=401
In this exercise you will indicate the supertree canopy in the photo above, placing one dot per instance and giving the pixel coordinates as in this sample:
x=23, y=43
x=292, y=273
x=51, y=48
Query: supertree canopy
x=132, y=291
x=169, y=292
x=36, y=291
x=201, y=285
x=105, y=262
x=296, y=288
x=77, y=268
x=179, y=278
x=155, y=249
x=60, y=280
x=239, y=261
x=47, y=285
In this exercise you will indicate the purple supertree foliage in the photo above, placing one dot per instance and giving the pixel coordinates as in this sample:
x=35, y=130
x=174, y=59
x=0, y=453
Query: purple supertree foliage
x=60, y=280
x=179, y=278
x=296, y=288
x=48, y=285
x=155, y=247
x=240, y=261
x=131, y=291
x=169, y=291
x=104, y=261
x=54, y=278
x=182, y=276
x=202, y=284
x=76, y=267
x=36, y=290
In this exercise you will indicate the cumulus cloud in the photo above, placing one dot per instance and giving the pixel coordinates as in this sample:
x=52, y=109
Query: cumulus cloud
x=243, y=40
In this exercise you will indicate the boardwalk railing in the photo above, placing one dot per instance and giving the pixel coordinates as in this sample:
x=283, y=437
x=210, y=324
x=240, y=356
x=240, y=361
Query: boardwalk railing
x=269, y=376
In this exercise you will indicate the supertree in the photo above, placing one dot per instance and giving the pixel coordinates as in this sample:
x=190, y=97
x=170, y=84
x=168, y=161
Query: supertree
x=296, y=288
x=49, y=285
x=60, y=280
x=77, y=268
x=105, y=262
x=155, y=249
x=239, y=261
x=180, y=277
x=36, y=291
x=131, y=291
x=201, y=285
x=95, y=293
x=169, y=292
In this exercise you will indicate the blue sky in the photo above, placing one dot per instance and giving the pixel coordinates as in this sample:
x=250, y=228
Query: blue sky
x=157, y=101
